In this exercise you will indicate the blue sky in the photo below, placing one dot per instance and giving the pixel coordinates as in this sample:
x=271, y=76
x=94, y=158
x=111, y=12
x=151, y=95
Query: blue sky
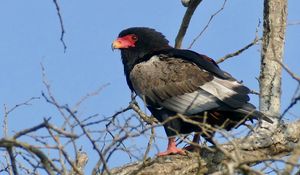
x=30, y=32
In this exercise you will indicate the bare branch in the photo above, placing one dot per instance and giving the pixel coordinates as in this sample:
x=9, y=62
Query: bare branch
x=60, y=131
x=47, y=163
x=12, y=160
x=295, y=77
x=149, y=144
x=147, y=119
x=61, y=25
x=293, y=159
x=64, y=153
x=220, y=60
x=283, y=142
x=32, y=129
x=293, y=23
x=26, y=103
x=88, y=135
x=95, y=93
x=186, y=21
x=289, y=71
x=294, y=102
x=206, y=26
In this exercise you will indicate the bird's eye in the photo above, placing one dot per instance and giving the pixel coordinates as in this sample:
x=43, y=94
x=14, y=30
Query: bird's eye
x=134, y=37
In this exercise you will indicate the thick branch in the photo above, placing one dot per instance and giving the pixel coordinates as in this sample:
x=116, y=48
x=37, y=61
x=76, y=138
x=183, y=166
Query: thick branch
x=250, y=152
x=275, y=15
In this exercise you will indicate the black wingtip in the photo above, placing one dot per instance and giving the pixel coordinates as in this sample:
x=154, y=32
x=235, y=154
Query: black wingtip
x=265, y=118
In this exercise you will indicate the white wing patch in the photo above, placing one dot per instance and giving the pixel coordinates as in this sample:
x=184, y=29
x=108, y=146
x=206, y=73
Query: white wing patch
x=191, y=103
x=220, y=88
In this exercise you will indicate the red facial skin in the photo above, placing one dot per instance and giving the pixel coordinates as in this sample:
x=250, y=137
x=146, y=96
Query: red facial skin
x=125, y=42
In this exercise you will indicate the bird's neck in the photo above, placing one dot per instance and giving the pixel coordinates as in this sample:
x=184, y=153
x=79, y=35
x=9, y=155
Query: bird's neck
x=134, y=56
x=129, y=59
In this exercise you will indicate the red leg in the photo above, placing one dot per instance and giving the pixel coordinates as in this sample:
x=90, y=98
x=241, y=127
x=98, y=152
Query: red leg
x=172, y=149
x=196, y=140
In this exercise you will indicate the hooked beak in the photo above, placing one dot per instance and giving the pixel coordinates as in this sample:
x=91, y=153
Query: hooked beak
x=123, y=43
x=117, y=44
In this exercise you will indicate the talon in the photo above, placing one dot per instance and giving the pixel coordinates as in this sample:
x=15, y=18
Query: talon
x=172, y=149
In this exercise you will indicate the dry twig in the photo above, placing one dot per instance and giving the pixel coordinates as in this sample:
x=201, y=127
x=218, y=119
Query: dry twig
x=61, y=25
x=208, y=23
x=255, y=41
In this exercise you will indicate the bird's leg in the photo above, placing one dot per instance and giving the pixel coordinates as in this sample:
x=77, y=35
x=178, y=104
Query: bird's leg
x=172, y=149
x=193, y=147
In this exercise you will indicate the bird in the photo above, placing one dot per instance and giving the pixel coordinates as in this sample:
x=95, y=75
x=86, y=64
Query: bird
x=184, y=90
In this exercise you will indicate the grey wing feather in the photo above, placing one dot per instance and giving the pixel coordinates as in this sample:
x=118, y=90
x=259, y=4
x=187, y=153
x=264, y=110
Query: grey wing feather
x=183, y=87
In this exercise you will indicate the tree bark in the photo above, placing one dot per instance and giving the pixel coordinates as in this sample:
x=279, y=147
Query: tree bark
x=239, y=154
x=275, y=16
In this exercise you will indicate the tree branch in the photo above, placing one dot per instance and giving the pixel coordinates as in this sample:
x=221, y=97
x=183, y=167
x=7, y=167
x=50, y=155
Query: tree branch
x=206, y=26
x=289, y=71
x=47, y=163
x=61, y=25
x=250, y=153
x=12, y=160
x=186, y=21
x=220, y=60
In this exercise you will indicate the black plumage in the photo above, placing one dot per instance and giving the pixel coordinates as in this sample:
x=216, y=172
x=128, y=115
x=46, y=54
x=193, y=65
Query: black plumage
x=176, y=81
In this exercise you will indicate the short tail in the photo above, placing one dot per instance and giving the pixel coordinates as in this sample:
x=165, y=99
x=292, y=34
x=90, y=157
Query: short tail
x=249, y=111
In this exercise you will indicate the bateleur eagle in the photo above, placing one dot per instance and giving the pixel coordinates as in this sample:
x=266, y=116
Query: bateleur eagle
x=177, y=82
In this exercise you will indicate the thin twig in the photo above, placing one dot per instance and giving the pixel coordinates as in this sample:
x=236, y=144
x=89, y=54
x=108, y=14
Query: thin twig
x=26, y=103
x=32, y=129
x=45, y=161
x=61, y=25
x=206, y=26
x=60, y=149
x=289, y=71
x=88, y=135
x=294, y=102
x=64, y=153
x=52, y=100
x=88, y=95
x=149, y=144
x=5, y=121
x=295, y=77
x=147, y=119
x=293, y=23
x=255, y=41
x=239, y=51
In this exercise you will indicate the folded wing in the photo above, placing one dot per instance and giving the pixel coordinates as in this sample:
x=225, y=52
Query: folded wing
x=185, y=87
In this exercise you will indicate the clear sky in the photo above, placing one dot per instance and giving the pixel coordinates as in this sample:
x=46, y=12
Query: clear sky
x=30, y=32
